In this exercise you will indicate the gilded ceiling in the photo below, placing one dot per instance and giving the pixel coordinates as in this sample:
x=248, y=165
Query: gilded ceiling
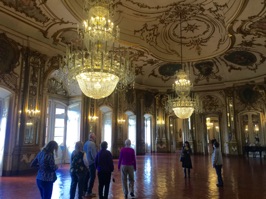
x=223, y=41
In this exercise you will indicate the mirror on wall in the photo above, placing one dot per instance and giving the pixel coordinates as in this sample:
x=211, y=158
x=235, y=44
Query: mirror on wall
x=29, y=134
x=212, y=129
x=251, y=128
x=230, y=119
x=176, y=133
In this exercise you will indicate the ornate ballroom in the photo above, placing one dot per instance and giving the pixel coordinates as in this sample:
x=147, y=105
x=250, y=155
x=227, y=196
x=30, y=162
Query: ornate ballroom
x=50, y=55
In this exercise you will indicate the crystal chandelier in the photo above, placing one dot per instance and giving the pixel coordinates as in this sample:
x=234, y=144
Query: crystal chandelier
x=183, y=104
x=94, y=60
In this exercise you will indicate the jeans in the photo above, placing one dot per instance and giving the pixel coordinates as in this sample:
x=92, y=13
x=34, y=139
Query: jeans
x=127, y=171
x=92, y=170
x=218, y=169
x=46, y=188
x=104, y=183
x=77, y=179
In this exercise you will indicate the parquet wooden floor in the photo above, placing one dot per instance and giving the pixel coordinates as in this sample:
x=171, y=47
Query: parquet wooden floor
x=160, y=176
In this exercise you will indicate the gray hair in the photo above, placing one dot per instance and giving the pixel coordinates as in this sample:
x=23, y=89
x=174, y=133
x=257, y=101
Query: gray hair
x=127, y=142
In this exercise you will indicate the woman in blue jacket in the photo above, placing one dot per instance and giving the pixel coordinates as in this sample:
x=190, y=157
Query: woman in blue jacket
x=45, y=163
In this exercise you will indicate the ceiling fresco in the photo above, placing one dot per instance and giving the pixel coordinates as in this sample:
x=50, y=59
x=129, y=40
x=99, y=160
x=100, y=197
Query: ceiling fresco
x=223, y=41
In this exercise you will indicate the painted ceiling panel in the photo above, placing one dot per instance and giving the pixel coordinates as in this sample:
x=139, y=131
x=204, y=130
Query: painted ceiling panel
x=223, y=41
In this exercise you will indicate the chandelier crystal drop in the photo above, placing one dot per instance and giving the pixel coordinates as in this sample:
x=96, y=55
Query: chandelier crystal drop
x=94, y=59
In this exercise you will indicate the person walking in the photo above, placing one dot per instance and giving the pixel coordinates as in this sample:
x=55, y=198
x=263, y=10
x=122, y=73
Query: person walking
x=78, y=171
x=186, y=159
x=91, y=152
x=217, y=163
x=105, y=166
x=46, y=175
x=127, y=166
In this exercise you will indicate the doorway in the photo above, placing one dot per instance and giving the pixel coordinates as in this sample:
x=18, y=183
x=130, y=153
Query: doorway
x=4, y=106
x=73, y=130
x=132, y=129
x=212, y=131
x=107, y=126
x=56, y=127
x=148, y=130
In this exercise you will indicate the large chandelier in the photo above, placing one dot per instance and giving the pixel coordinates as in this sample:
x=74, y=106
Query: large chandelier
x=94, y=60
x=183, y=104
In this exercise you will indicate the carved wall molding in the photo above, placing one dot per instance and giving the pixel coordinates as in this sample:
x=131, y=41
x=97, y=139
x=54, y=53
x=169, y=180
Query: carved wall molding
x=9, y=60
x=211, y=103
x=249, y=98
x=55, y=87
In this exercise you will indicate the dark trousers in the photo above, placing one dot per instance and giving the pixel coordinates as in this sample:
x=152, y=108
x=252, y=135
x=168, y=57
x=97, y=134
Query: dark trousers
x=104, y=183
x=218, y=169
x=92, y=170
x=86, y=180
x=77, y=179
x=46, y=188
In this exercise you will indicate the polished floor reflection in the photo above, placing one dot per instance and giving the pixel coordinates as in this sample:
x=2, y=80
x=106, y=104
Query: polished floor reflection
x=160, y=176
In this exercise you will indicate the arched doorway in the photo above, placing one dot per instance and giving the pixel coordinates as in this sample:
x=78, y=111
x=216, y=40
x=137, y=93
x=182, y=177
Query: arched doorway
x=56, y=126
x=148, y=132
x=4, y=106
x=212, y=131
x=132, y=129
x=106, y=125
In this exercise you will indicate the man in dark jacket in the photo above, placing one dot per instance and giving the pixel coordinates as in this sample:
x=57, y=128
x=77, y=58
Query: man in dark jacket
x=105, y=167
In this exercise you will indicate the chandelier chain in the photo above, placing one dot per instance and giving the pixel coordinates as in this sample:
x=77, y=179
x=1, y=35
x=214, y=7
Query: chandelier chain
x=183, y=104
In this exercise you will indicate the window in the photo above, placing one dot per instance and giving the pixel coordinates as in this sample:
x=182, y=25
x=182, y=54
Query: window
x=73, y=126
x=107, y=129
x=132, y=130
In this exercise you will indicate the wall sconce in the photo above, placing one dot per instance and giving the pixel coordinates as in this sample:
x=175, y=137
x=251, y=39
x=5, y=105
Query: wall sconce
x=246, y=128
x=29, y=123
x=121, y=121
x=160, y=122
x=33, y=113
x=256, y=129
x=93, y=118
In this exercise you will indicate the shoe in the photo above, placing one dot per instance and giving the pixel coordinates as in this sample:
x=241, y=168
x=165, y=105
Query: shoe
x=219, y=185
x=132, y=195
x=125, y=195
